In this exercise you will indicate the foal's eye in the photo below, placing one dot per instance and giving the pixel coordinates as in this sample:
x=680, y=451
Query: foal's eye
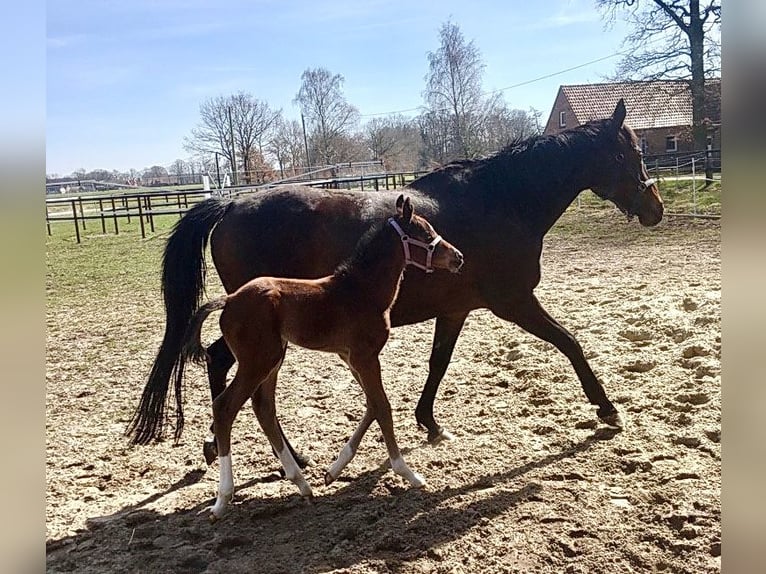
x=620, y=157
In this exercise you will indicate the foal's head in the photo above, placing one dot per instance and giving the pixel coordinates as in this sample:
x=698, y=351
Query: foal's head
x=624, y=178
x=430, y=250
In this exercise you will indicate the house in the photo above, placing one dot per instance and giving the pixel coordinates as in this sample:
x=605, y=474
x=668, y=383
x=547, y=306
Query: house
x=659, y=111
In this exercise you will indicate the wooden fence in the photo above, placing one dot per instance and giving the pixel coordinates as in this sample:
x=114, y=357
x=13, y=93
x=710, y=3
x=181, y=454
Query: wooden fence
x=108, y=209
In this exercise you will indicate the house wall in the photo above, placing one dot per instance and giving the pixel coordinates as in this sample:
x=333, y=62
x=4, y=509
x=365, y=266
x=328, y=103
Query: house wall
x=561, y=104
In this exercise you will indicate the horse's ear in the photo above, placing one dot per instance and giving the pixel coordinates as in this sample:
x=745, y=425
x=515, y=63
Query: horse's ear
x=399, y=204
x=407, y=210
x=618, y=117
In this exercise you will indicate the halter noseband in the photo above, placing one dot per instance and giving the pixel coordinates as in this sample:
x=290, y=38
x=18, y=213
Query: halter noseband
x=407, y=241
x=643, y=185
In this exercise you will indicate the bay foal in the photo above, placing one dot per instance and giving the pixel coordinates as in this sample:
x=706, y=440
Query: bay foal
x=345, y=313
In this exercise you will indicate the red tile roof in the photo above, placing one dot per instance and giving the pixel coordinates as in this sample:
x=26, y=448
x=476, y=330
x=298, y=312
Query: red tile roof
x=652, y=104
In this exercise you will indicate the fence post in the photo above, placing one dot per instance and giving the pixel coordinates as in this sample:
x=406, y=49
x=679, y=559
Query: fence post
x=150, y=215
x=47, y=218
x=101, y=212
x=114, y=215
x=82, y=213
x=76, y=226
x=141, y=217
x=694, y=186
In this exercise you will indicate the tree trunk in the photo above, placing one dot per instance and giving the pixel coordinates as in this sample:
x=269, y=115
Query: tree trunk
x=697, y=50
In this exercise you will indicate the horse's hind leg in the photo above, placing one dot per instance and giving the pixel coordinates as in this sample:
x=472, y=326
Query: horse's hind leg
x=264, y=406
x=446, y=332
x=530, y=316
x=380, y=409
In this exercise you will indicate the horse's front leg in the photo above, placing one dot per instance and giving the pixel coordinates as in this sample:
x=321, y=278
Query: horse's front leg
x=528, y=314
x=446, y=332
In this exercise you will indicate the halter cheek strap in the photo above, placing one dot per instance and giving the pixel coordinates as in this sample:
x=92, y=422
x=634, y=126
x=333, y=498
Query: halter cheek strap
x=407, y=241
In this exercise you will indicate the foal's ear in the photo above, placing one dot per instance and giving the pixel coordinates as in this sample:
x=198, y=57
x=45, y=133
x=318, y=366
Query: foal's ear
x=407, y=210
x=618, y=117
x=399, y=204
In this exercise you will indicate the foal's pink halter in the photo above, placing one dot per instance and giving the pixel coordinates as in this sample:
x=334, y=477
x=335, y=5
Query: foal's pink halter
x=407, y=241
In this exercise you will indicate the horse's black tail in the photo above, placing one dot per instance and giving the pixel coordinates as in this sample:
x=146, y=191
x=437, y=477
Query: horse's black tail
x=183, y=282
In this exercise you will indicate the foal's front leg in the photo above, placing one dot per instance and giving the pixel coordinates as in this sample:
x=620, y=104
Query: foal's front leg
x=380, y=409
x=349, y=450
x=264, y=406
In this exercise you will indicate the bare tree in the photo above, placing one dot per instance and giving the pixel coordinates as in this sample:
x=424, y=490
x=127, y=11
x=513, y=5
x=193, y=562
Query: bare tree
x=178, y=168
x=435, y=133
x=329, y=116
x=240, y=115
x=503, y=126
x=394, y=140
x=453, y=86
x=287, y=146
x=672, y=39
x=154, y=174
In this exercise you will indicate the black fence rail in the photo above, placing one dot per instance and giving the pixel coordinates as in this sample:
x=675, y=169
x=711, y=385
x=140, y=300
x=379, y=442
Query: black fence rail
x=109, y=209
x=686, y=162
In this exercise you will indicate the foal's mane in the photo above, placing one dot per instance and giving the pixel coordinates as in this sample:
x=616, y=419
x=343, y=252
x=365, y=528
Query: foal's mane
x=366, y=252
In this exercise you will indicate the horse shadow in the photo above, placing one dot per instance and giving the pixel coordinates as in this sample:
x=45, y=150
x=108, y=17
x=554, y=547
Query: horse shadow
x=359, y=522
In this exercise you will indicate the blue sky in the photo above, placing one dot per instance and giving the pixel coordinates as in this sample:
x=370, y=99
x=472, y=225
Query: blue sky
x=125, y=79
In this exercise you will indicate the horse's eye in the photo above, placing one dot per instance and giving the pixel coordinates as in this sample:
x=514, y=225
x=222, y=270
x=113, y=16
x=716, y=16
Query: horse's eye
x=620, y=157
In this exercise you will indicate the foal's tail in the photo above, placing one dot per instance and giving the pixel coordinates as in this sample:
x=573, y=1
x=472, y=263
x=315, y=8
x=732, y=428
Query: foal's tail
x=183, y=281
x=192, y=345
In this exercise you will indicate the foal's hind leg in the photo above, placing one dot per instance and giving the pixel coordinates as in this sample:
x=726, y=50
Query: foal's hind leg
x=380, y=409
x=253, y=368
x=225, y=409
x=530, y=315
x=219, y=362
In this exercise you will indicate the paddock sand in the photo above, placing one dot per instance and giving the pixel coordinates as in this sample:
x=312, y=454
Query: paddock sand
x=531, y=484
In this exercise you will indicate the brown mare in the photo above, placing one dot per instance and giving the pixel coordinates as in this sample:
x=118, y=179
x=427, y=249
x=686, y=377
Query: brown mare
x=497, y=209
x=345, y=313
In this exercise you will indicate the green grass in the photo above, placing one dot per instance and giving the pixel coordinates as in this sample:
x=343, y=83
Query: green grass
x=104, y=265
x=677, y=194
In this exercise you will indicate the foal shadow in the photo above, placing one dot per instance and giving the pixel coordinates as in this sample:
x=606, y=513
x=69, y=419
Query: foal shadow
x=355, y=522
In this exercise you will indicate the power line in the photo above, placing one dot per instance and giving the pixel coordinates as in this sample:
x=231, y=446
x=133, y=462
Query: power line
x=545, y=77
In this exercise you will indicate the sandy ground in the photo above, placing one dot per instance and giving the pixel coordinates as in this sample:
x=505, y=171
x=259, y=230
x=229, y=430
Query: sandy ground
x=531, y=484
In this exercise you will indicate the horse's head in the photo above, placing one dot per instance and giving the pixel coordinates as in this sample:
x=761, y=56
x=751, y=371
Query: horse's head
x=433, y=252
x=623, y=178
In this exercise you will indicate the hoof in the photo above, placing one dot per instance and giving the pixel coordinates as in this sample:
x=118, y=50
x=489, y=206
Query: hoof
x=306, y=491
x=210, y=450
x=442, y=435
x=613, y=420
x=417, y=481
x=328, y=479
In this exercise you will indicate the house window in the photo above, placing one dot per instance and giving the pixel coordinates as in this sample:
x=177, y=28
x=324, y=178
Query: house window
x=671, y=144
x=562, y=119
x=644, y=146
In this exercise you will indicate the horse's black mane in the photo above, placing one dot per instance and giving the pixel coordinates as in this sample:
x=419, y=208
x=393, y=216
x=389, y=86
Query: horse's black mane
x=521, y=155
